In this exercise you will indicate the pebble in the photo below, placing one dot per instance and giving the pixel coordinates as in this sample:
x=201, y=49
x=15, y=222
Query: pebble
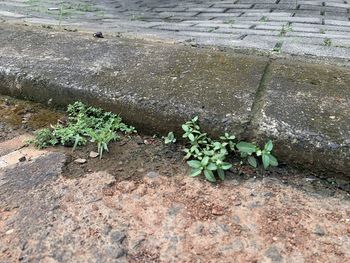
x=217, y=211
x=274, y=254
x=9, y=232
x=117, y=236
x=319, y=230
x=93, y=154
x=152, y=174
x=80, y=161
x=22, y=159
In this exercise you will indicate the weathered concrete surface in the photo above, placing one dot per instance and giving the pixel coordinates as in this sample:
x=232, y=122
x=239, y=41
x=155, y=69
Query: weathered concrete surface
x=306, y=109
x=157, y=87
x=317, y=28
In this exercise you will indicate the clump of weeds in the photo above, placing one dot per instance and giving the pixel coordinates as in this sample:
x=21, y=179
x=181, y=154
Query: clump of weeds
x=83, y=124
x=209, y=157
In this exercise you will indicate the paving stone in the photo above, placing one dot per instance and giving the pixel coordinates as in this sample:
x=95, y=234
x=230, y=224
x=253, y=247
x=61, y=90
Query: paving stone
x=337, y=22
x=309, y=112
x=316, y=50
x=326, y=34
x=132, y=17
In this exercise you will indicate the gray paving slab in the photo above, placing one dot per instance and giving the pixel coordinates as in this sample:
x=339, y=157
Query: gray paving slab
x=309, y=111
x=309, y=15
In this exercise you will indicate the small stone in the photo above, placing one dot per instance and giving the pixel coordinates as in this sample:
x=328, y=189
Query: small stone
x=152, y=174
x=9, y=232
x=93, y=154
x=80, y=161
x=217, y=211
x=274, y=254
x=98, y=35
x=115, y=251
x=117, y=236
x=22, y=159
x=319, y=230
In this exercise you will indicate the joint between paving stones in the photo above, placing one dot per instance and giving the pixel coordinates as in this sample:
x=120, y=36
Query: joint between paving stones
x=258, y=102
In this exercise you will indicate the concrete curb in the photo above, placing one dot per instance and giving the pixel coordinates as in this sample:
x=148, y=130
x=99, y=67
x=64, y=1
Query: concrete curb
x=304, y=107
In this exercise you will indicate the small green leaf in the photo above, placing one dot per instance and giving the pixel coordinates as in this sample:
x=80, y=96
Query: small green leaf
x=266, y=161
x=195, y=119
x=185, y=127
x=221, y=174
x=273, y=160
x=268, y=146
x=226, y=166
x=252, y=161
x=194, y=164
x=205, y=161
x=209, y=175
x=212, y=167
x=191, y=137
x=196, y=172
x=246, y=147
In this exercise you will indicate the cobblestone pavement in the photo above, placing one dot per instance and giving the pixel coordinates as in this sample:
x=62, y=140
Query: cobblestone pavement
x=320, y=28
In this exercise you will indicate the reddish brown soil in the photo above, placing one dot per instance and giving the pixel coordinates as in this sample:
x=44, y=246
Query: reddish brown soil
x=138, y=204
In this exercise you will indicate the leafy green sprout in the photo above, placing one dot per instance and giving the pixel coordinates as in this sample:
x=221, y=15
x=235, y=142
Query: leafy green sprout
x=327, y=42
x=285, y=30
x=264, y=19
x=170, y=138
x=209, y=156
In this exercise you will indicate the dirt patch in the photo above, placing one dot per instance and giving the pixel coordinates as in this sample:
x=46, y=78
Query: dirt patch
x=138, y=204
x=18, y=117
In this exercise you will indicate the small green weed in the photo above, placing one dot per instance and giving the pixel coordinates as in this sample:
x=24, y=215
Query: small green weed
x=170, y=138
x=209, y=156
x=83, y=124
x=264, y=19
x=285, y=30
x=278, y=47
x=230, y=21
x=327, y=42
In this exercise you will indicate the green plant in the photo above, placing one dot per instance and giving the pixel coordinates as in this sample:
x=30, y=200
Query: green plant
x=264, y=19
x=278, y=47
x=170, y=138
x=209, y=156
x=44, y=138
x=327, y=42
x=230, y=21
x=102, y=138
x=61, y=14
x=83, y=124
x=285, y=30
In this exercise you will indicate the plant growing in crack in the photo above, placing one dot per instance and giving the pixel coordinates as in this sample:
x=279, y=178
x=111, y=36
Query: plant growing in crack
x=209, y=156
x=327, y=42
x=264, y=19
